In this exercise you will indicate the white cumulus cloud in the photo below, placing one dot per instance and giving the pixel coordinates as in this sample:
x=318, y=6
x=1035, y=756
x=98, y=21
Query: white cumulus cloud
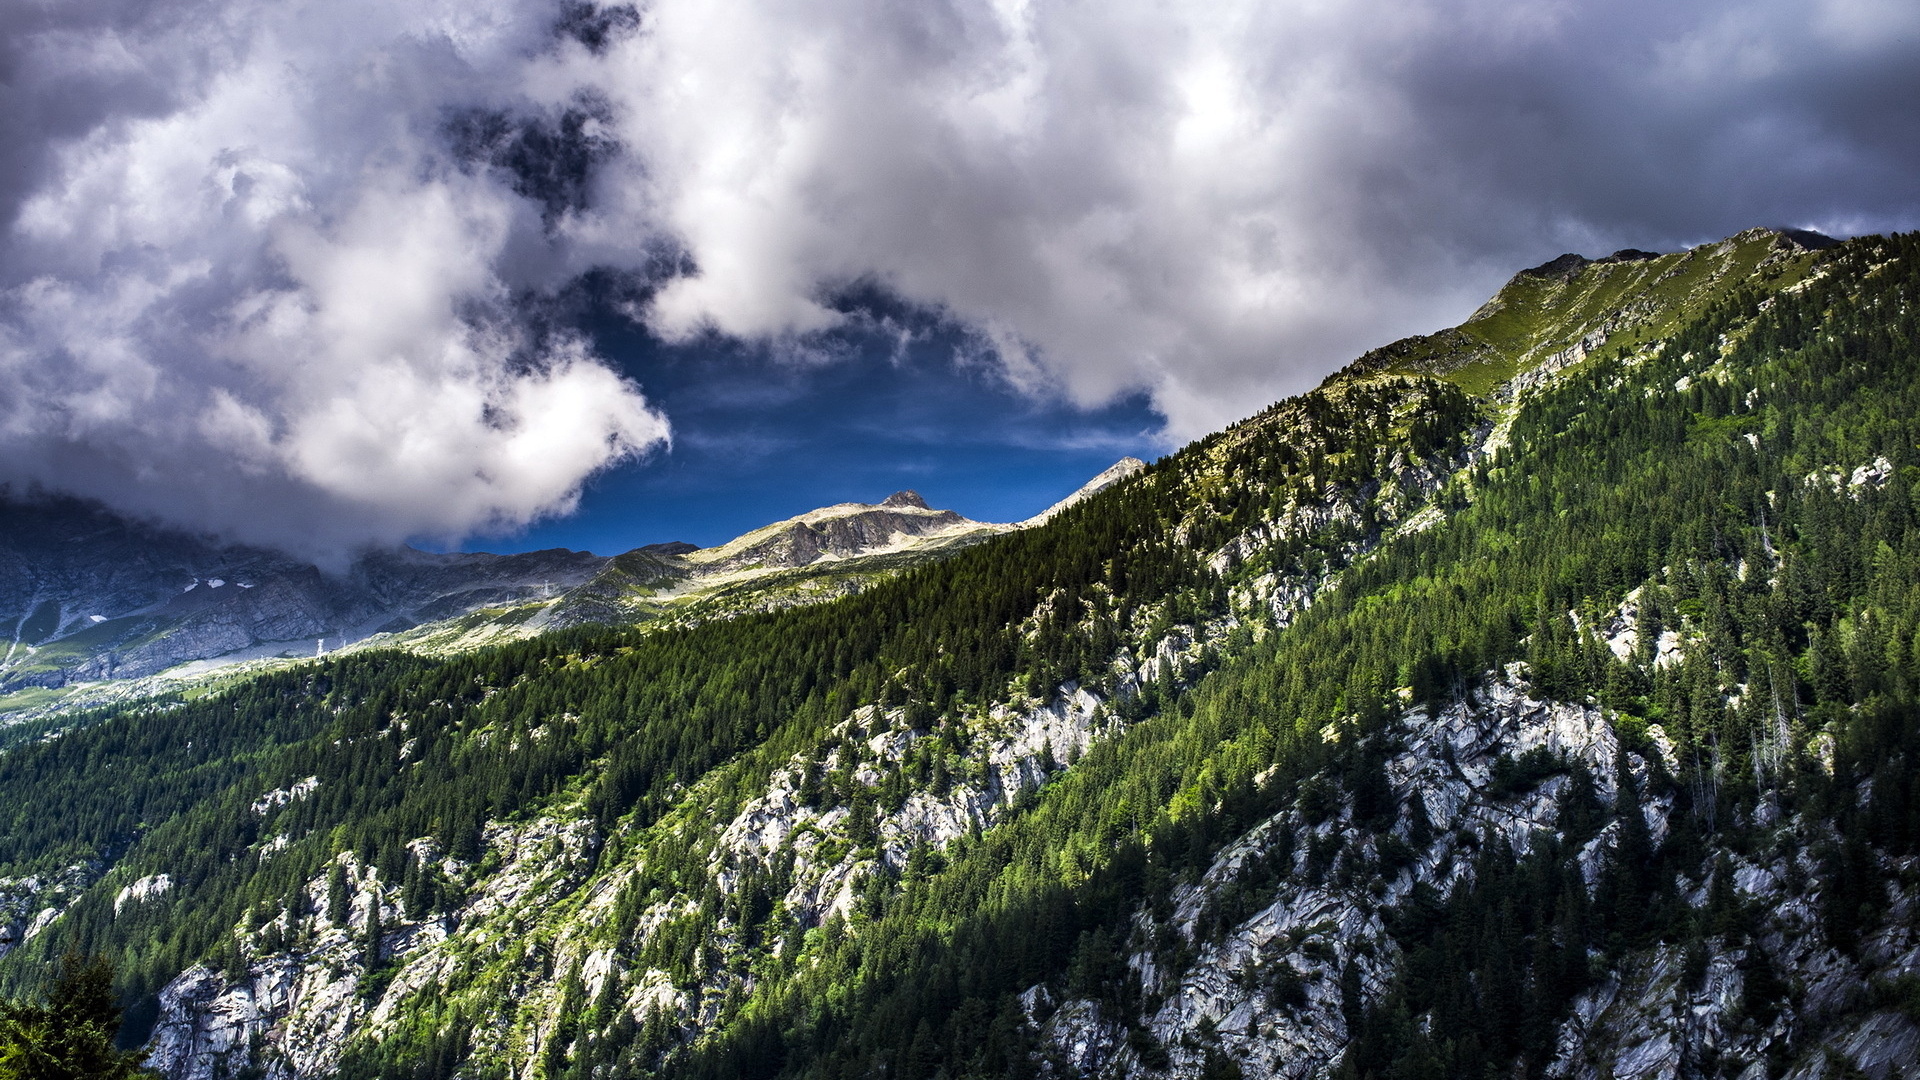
x=266, y=301
x=267, y=265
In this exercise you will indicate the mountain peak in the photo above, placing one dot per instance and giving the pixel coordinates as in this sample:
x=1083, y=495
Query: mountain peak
x=1567, y=267
x=1558, y=312
x=1108, y=477
x=1563, y=267
x=1808, y=239
x=906, y=498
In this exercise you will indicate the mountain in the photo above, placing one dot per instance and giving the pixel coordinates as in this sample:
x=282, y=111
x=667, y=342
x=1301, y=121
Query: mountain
x=1536, y=698
x=86, y=595
x=820, y=555
x=90, y=601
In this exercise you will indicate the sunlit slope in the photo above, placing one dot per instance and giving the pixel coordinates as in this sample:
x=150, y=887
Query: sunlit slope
x=1559, y=312
x=820, y=555
x=243, y=612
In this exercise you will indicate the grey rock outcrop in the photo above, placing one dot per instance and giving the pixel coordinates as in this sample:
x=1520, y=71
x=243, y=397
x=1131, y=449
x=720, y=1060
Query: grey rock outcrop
x=837, y=532
x=29, y=903
x=1644, y=1020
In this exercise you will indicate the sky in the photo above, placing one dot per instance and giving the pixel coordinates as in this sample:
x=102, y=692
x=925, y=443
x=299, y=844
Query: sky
x=521, y=273
x=758, y=438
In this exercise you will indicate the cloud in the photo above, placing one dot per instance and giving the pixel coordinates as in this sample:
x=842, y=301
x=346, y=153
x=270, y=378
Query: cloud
x=266, y=296
x=268, y=267
x=1220, y=202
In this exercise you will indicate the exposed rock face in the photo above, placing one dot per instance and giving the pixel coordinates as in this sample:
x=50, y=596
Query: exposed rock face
x=144, y=889
x=28, y=904
x=1209, y=997
x=837, y=532
x=291, y=1012
x=1644, y=1020
x=1650, y=1021
x=1015, y=750
x=1111, y=475
x=1316, y=928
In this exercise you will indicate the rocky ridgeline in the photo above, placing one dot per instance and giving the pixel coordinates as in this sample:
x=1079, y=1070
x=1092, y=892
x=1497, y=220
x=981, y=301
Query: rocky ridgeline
x=837, y=532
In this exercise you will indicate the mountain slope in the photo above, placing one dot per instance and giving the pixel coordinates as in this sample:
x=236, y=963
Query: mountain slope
x=1554, y=718
x=1555, y=314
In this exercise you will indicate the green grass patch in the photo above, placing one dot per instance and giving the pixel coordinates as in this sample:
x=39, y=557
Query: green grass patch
x=33, y=697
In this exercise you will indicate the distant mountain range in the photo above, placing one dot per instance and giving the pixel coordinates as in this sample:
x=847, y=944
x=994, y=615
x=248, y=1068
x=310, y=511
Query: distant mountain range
x=89, y=599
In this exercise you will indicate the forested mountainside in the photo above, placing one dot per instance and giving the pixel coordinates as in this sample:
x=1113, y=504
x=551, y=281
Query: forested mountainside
x=1536, y=698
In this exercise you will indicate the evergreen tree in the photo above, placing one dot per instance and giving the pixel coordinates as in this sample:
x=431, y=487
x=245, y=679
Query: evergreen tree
x=68, y=1034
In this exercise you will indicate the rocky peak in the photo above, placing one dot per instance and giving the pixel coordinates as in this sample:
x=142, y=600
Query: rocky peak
x=1111, y=475
x=841, y=531
x=1563, y=267
x=1567, y=267
x=1805, y=239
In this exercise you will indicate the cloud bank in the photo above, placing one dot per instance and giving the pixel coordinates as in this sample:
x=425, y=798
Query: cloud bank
x=250, y=286
x=267, y=266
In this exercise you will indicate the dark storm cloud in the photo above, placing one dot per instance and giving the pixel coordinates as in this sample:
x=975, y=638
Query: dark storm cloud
x=1678, y=123
x=266, y=264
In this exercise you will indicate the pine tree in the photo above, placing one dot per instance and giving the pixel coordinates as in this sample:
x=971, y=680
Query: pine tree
x=70, y=1032
x=338, y=898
